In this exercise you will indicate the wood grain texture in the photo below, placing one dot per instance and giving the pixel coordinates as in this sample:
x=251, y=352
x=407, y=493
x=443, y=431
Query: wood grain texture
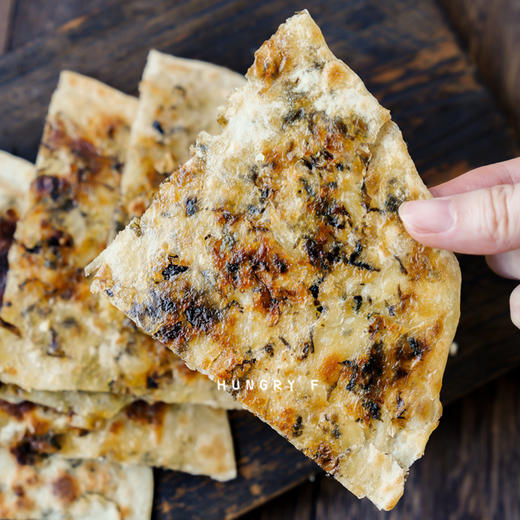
x=297, y=504
x=34, y=19
x=409, y=57
x=6, y=8
x=469, y=471
x=491, y=30
x=488, y=342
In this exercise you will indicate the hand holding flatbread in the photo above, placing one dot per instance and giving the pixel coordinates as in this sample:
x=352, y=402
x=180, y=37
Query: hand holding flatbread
x=476, y=213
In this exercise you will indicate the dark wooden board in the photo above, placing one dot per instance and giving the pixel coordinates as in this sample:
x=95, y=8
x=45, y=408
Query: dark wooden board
x=491, y=31
x=6, y=9
x=410, y=59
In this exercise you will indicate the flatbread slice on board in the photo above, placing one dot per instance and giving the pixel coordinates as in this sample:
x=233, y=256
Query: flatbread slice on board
x=178, y=98
x=69, y=339
x=59, y=489
x=93, y=424
x=191, y=438
x=88, y=409
x=294, y=276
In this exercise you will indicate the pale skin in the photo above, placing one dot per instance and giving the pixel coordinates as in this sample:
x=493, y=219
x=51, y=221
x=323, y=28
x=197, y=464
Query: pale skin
x=476, y=213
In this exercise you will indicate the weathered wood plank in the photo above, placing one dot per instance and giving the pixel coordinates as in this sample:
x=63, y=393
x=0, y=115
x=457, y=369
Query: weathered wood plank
x=492, y=32
x=297, y=504
x=6, y=8
x=488, y=341
x=34, y=19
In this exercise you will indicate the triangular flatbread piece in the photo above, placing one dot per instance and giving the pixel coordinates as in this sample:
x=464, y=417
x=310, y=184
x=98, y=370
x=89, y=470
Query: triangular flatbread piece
x=275, y=261
x=89, y=407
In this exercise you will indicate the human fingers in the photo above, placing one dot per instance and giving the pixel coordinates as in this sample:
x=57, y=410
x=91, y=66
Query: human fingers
x=484, y=221
x=514, y=303
x=506, y=264
x=507, y=172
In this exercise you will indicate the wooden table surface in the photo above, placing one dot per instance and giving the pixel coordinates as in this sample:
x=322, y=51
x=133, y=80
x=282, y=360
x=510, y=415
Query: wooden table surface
x=471, y=464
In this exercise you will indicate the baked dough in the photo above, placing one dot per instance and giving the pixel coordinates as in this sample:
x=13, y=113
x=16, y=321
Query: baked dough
x=60, y=489
x=274, y=260
x=178, y=98
x=191, y=438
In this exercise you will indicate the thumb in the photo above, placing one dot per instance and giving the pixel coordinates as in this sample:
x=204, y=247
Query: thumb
x=482, y=222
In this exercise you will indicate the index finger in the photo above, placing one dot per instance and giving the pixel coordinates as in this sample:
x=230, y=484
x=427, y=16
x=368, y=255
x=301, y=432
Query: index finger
x=506, y=172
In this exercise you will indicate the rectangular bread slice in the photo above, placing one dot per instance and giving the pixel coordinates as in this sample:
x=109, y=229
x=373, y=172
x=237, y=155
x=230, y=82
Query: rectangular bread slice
x=191, y=438
x=178, y=98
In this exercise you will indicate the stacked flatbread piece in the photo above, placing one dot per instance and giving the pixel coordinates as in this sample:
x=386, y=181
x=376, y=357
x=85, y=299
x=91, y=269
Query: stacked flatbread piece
x=276, y=256
x=33, y=484
x=77, y=378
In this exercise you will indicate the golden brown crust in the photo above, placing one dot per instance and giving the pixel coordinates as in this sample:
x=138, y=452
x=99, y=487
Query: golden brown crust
x=296, y=267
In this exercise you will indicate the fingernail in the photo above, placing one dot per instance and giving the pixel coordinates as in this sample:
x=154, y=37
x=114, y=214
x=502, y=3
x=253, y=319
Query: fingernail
x=427, y=216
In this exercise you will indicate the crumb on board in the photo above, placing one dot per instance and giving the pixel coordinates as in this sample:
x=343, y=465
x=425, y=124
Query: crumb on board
x=454, y=348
